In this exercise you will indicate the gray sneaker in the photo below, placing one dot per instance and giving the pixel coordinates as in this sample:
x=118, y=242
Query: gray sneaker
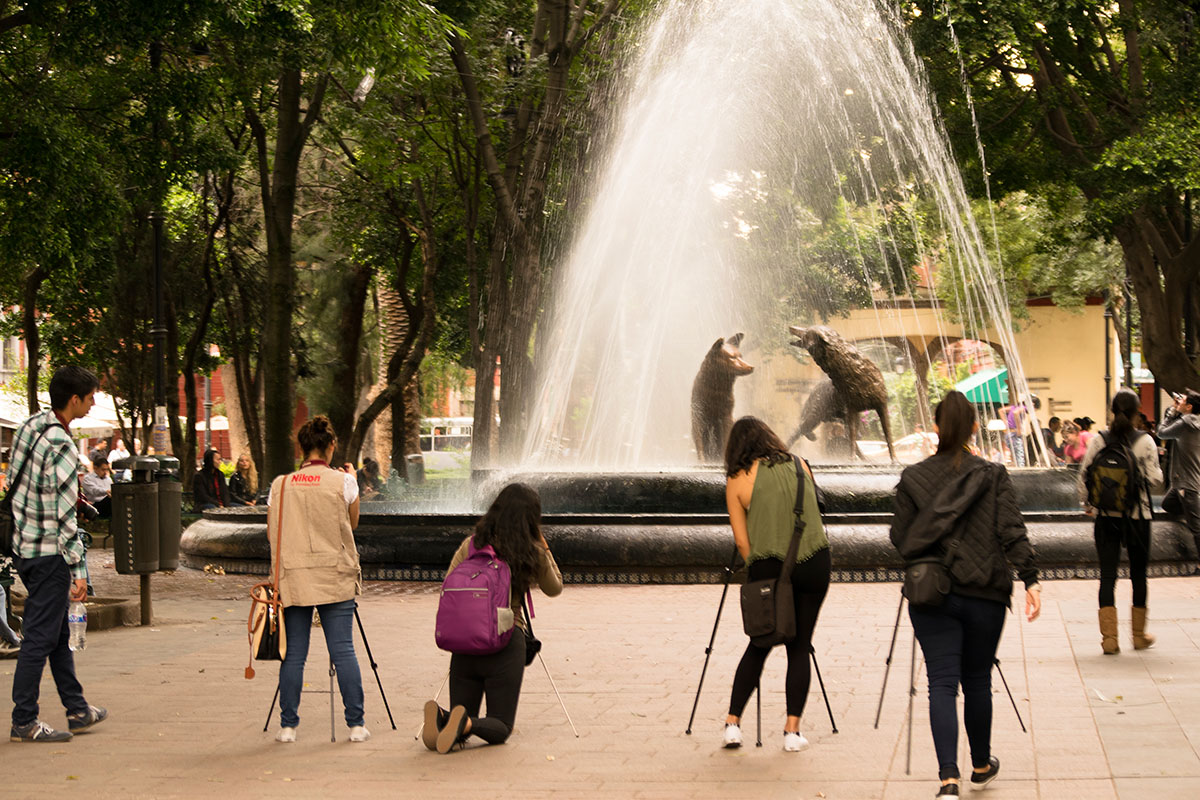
x=82, y=721
x=37, y=731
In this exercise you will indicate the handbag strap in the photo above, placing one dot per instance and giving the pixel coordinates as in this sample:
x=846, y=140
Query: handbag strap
x=789, y=562
x=278, y=542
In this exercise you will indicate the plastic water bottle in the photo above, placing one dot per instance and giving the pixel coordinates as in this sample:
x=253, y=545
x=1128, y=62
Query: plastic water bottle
x=77, y=622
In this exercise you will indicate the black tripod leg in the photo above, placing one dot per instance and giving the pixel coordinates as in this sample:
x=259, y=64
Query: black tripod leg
x=332, y=737
x=708, y=650
x=374, y=666
x=271, y=710
x=758, y=700
x=813, y=651
x=888, y=664
x=1021, y=722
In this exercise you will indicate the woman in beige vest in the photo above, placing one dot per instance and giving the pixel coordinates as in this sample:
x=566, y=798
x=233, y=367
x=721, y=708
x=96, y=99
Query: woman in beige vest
x=317, y=508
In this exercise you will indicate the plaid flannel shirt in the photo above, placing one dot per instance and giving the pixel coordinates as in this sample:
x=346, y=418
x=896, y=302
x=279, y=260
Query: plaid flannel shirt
x=44, y=503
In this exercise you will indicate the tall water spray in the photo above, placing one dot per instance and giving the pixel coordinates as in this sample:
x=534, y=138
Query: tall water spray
x=770, y=162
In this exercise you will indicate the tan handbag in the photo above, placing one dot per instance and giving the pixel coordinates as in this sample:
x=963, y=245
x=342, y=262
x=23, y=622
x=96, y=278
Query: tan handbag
x=264, y=627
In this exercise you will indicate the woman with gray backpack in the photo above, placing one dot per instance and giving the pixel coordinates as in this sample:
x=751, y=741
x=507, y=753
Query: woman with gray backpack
x=489, y=651
x=1114, y=482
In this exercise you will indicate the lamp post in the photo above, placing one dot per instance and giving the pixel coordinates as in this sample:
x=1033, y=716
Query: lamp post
x=1108, y=315
x=1128, y=333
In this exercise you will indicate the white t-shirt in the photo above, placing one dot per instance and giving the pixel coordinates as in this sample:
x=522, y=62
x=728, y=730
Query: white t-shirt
x=349, y=489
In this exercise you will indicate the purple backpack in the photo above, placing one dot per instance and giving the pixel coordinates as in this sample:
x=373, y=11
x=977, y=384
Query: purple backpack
x=475, y=608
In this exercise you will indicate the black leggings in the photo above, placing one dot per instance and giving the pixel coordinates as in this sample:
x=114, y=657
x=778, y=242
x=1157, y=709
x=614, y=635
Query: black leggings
x=1110, y=534
x=810, y=582
x=498, y=676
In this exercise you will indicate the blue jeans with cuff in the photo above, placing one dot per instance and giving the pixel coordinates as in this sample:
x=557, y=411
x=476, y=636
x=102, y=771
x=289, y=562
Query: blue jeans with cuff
x=46, y=639
x=337, y=620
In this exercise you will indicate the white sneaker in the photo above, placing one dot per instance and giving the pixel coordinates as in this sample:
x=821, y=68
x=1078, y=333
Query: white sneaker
x=733, y=735
x=359, y=734
x=794, y=742
x=286, y=735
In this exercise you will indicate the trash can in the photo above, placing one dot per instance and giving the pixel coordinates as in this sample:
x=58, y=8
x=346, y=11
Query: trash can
x=170, y=505
x=135, y=517
x=414, y=469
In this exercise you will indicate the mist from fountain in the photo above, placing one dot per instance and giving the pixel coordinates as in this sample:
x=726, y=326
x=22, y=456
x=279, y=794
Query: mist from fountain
x=769, y=162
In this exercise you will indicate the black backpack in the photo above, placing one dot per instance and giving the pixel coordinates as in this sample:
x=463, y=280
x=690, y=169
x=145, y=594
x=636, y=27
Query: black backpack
x=1112, y=479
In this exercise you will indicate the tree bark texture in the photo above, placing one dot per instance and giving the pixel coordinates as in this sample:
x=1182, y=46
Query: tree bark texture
x=33, y=343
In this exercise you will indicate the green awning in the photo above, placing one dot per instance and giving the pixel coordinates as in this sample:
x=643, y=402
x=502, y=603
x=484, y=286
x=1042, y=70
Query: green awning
x=986, y=386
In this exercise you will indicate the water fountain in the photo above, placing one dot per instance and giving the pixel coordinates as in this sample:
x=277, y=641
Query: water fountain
x=768, y=162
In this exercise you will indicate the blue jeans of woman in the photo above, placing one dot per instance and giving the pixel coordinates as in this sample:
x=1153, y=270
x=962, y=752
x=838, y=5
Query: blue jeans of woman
x=337, y=620
x=959, y=640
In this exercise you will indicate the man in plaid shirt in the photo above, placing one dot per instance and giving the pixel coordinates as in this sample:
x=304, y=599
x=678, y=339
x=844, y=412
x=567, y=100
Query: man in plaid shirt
x=50, y=557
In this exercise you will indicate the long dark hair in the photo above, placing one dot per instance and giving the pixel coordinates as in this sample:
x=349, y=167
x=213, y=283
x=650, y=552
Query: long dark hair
x=752, y=440
x=955, y=418
x=512, y=526
x=1125, y=407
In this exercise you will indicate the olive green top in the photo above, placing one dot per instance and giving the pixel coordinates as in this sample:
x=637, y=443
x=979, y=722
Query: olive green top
x=771, y=517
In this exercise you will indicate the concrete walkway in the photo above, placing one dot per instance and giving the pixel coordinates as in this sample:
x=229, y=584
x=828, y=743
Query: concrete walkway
x=185, y=722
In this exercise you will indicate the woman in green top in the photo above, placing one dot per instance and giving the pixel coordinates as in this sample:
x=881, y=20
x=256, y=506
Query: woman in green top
x=760, y=492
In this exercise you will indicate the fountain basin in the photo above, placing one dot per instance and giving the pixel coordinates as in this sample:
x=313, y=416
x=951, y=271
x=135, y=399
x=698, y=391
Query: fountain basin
x=672, y=528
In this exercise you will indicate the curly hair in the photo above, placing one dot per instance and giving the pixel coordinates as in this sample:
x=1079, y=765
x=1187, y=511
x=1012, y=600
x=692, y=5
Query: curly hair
x=750, y=440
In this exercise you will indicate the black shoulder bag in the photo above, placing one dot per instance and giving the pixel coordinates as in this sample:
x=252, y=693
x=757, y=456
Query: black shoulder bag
x=533, y=645
x=768, y=611
x=8, y=523
x=927, y=578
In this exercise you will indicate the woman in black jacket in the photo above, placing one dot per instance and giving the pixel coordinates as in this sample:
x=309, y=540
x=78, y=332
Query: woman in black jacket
x=954, y=495
x=209, y=489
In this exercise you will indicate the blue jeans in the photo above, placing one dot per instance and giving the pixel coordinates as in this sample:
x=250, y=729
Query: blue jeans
x=959, y=641
x=337, y=620
x=1016, y=443
x=46, y=635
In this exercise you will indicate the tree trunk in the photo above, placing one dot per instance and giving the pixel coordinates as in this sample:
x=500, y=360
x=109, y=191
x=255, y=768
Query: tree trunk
x=1159, y=278
x=279, y=209
x=344, y=401
x=33, y=343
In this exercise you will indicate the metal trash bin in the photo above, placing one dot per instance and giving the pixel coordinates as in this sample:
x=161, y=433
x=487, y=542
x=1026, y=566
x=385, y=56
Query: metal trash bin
x=135, y=517
x=170, y=507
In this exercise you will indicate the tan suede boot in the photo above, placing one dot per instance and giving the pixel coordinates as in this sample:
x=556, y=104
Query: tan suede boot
x=1108, y=630
x=1141, y=639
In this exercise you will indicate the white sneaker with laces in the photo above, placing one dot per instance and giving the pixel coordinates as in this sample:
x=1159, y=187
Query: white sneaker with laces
x=286, y=735
x=794, y=742
x=359, y=734
x=733, y=735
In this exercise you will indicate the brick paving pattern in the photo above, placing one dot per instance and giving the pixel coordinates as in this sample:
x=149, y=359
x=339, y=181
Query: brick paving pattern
x=185, y=722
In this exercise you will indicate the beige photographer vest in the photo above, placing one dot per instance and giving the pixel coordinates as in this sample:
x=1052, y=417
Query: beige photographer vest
x=320, y=561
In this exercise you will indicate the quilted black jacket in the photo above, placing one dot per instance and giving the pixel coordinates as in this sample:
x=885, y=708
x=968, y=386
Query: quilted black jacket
x=992, y=531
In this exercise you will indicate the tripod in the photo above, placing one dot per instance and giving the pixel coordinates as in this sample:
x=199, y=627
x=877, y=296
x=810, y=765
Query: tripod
x=912, y=685
x=374, y=668
x=729, y=570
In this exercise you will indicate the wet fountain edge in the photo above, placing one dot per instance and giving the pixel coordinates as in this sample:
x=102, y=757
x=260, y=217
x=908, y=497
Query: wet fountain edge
x=679, y=531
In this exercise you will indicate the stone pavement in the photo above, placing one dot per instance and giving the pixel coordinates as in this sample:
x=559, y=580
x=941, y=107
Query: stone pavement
x=185, y=722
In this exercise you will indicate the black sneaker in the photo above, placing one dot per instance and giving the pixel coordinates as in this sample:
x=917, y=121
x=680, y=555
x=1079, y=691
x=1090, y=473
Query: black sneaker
x=982, y=779
x=435, y=720
x=948, y=790
x=37, y=731
x=87, y=719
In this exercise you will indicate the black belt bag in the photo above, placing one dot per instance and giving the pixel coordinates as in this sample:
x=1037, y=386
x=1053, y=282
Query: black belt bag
x=768, y=610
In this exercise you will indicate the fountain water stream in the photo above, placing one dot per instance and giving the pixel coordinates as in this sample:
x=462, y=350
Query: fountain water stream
x=770, y=162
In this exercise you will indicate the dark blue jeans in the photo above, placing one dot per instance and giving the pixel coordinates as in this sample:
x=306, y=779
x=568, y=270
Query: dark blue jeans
x=959, y=641
x=46, y=636
x=337, y=620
